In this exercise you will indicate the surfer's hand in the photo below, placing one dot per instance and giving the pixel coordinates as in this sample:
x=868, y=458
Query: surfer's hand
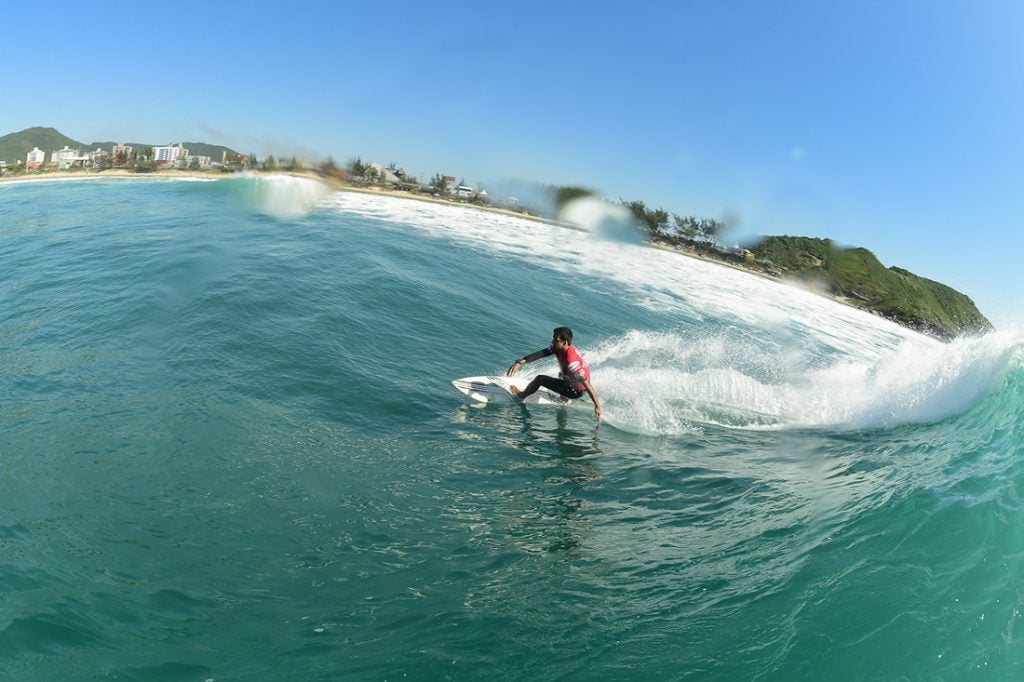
x=597, y=412
x=513, y=369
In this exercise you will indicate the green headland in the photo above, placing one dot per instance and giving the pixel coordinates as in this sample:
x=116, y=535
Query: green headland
x=856, y=275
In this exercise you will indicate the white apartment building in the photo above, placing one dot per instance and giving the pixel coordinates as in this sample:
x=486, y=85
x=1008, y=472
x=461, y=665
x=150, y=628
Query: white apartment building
x=36, y=157
x=67, y=157
x=65, y=154
x=169, y=154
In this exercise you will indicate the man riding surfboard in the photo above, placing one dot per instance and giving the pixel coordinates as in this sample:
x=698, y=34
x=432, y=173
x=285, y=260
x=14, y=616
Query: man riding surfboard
x=574, y=375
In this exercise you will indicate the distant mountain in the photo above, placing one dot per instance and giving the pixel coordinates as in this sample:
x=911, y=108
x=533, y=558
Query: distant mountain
x=16, y=146
x=857, y=275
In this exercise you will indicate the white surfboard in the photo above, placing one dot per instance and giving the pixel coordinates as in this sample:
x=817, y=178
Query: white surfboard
x=495, y=389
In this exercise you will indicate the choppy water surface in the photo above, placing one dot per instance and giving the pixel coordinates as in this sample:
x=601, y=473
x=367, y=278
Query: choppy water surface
x=230, y=450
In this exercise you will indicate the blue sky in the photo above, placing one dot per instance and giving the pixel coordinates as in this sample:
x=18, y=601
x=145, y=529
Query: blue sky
x=892, y=125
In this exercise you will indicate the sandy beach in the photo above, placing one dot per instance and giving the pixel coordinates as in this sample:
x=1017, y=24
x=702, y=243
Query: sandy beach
x=112, y=173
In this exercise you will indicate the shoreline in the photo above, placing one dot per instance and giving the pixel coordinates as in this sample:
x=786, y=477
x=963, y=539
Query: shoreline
x=340, y=186
x=112, y=173
x=213, y=176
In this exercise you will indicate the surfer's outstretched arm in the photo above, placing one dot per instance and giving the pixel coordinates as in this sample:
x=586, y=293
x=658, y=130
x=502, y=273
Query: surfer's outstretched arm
x=593, y=396
x=525, y=359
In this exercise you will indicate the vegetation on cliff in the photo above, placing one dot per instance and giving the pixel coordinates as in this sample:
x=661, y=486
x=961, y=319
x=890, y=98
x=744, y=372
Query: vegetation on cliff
x=857, y=275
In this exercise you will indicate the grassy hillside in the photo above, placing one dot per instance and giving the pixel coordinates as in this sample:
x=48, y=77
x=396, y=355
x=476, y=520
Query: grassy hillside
x=894, y=293
x=16, y=146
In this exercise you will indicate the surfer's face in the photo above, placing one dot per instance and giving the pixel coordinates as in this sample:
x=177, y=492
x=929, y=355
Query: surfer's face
x=559, y=344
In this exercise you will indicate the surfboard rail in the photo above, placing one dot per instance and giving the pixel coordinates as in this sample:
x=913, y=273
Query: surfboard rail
x=497, y=389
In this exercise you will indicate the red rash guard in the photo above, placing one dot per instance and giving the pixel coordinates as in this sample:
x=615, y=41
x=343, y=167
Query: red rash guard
x=574, y=369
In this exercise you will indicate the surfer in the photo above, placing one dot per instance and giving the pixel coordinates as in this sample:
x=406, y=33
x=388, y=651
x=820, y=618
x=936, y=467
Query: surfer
x=574, y=377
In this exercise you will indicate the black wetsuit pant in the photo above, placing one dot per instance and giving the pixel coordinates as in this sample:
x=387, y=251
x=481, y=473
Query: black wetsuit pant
x=559, y=386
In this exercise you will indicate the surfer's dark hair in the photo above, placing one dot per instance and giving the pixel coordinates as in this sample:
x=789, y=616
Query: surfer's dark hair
x=563, y=333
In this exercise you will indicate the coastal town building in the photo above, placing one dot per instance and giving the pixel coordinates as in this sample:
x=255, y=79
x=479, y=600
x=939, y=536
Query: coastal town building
x=122, y=150
x=227, y=158
x=35, y=159
x=169, y=154
x=68, y=158
x=62, y=155
x=200, y=161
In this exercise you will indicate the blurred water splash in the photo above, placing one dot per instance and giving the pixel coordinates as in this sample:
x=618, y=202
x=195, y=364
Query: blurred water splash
x=603, y=220
x=284, y=197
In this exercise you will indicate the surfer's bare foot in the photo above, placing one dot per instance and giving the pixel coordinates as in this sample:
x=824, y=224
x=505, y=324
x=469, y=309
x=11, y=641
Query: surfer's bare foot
x=514, y=390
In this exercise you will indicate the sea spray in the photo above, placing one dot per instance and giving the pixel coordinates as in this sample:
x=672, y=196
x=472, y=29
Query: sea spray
x=669, y=384
x=280, y=196
x=915, y=383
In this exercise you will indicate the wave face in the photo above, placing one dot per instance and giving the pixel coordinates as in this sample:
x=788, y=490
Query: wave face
x=230, y=450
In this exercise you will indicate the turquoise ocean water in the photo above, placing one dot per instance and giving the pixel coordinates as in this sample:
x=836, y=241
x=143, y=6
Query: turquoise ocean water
x=230, y=450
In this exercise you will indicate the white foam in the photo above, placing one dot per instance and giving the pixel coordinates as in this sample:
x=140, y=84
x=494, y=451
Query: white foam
x=665, y=384
x=914, y=383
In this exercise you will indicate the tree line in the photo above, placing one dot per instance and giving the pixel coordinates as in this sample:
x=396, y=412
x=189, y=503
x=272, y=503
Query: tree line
x=660, y=223
x=657, y=222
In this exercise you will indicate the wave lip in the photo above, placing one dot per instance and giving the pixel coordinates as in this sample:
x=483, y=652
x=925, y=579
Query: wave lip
x=916, y=383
